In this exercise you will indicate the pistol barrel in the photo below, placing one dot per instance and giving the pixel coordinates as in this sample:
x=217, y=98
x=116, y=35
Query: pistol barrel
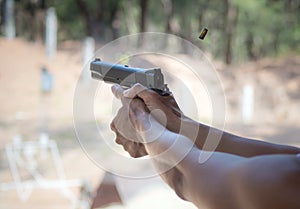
x=127, y=76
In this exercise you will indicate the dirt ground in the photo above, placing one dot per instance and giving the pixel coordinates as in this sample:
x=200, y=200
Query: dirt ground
x=276, y=84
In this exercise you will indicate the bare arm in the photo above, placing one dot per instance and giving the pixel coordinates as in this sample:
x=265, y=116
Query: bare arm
x=271, y=181
x=178, y=122
x=225, y=180
x=222, y=181
x=233, y=144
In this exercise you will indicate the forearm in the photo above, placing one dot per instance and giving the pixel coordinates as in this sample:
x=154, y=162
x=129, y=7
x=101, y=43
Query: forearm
x=250, y=147
x=205, y=184
x=227, y=181
x=233, y=144
x=168, y=148
x=167, y=153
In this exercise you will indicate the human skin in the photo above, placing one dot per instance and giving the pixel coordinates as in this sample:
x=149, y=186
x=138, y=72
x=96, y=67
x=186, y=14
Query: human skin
x=229, y=143
x=241, y=173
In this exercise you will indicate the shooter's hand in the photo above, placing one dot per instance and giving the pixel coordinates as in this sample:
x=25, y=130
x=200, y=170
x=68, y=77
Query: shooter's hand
x=135, y=149
x=130, y=119
x=165, y=105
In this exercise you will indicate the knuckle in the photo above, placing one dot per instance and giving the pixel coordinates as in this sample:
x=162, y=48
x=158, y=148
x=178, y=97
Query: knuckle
x=135, y=88
x=118, y=140
x=138, y=86
x=132, y=154
x=135, y=155
x=112, y=126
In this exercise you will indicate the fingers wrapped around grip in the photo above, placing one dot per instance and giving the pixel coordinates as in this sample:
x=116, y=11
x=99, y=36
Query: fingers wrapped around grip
x=138, y=90
x=135, y=149
x=133, y=118
x=154, y=101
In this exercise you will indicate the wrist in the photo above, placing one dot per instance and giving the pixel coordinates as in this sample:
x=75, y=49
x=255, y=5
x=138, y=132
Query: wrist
x=171, y=148
x=152, y=131
x=160, y=143
x=195, y=131
x=189, y=128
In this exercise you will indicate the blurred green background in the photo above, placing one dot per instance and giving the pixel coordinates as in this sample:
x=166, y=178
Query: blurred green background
x=253, y=44
x=238, y=30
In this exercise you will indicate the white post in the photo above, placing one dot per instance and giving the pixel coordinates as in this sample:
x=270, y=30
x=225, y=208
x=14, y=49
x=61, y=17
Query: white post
x=247, y=104
x=87, y=55
x=10, y=31
x=51, y=32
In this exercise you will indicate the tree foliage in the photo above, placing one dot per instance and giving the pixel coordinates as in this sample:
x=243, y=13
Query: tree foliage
x=238, y=30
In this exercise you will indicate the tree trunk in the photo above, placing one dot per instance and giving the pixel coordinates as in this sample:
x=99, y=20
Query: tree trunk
x=95, y=27
x=202, y=8
x=87, y=16
x=168, y=11
x=143, y=13
x=143, y=19
x=43, y=4
x=114, y=21
x=2, y=12
x=249, y=46
x=230, y=25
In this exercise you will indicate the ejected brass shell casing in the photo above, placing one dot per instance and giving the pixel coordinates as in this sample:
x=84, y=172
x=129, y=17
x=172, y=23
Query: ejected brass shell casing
x=203, y=33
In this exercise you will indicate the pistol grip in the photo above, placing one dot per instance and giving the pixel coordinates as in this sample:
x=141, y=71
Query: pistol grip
x=161, y=92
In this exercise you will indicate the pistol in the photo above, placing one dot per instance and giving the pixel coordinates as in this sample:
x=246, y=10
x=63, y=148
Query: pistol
x=128, y=76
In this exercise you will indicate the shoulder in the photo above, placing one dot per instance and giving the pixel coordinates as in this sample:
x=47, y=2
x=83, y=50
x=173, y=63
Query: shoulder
x=270, y=181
